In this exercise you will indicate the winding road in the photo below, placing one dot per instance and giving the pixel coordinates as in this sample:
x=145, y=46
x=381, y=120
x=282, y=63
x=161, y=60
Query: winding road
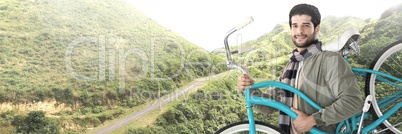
x=148, y=109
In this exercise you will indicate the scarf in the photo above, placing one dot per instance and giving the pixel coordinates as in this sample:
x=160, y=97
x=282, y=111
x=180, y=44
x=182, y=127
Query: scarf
x=289, y=77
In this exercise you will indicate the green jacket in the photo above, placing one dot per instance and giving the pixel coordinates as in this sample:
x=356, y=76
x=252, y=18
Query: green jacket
x=327, y=79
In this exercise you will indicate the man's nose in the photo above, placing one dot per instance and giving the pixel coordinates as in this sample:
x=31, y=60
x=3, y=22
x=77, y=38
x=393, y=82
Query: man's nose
x=299, y=30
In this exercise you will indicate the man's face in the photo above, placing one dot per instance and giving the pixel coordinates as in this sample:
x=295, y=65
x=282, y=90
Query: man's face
x=302, y=30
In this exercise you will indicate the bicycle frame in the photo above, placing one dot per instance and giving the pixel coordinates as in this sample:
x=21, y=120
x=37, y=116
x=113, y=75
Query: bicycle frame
x=252, y=100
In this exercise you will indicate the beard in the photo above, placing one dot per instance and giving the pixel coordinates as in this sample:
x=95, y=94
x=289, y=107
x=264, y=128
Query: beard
x=310, y=40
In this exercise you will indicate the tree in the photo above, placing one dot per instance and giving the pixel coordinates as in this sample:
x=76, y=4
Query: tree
x=36, y=123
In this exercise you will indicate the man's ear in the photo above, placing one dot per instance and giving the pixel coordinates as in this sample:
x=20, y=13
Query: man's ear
x=317, y=29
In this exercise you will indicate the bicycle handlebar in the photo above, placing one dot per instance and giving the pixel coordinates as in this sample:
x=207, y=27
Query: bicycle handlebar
x=230, y=63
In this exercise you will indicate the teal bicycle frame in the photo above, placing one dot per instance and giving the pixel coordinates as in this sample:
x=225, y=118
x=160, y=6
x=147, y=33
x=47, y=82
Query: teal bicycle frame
x=351, y=122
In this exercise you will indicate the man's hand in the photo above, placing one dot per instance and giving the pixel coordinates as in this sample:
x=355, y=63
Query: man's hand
x=303, y=122
x=244, y=81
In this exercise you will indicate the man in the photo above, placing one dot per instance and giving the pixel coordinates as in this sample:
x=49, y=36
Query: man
x=325, y=77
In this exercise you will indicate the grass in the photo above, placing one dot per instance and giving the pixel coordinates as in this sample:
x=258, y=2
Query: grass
x=150, y=118
x=48, y=106
x=127, y=113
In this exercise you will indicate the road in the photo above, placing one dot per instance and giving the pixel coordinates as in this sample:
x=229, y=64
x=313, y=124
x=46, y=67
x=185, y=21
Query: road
x=148, y=109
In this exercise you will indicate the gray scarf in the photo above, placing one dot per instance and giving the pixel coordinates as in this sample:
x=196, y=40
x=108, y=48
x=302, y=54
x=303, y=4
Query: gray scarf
x=289, y=77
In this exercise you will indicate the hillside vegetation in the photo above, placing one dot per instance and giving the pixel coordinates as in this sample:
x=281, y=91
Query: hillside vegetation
x=219, y=103
x=94, y=58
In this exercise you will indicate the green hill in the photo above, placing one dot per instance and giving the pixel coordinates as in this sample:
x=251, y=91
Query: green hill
x=93, y=57
x=219, y=103
x=379, y=33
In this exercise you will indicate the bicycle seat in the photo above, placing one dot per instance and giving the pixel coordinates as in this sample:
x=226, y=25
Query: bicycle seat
x=346, y=44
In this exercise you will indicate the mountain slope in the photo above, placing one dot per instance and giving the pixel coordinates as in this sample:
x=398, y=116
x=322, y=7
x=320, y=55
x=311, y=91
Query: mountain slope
x=379, y=33
x=93, y=56
x=65, y=43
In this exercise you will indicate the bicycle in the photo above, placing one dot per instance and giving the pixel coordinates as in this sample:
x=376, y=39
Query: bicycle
x=381, y=105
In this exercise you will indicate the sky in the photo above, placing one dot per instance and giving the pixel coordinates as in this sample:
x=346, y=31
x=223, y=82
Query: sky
x=206, y=22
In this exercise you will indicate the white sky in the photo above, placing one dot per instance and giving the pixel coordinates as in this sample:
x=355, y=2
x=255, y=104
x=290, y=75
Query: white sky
x=205, y=22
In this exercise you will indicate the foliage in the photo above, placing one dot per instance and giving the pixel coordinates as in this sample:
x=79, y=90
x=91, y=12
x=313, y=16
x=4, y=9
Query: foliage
x=379, y=33
x=5, y=121
x=88, y=49
x=210, y=108
x=36, y=123
x=92, y=55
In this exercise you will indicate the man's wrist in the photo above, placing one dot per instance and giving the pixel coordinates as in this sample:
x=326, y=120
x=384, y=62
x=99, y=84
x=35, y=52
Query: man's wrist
x=312, y=120
x=317, y=118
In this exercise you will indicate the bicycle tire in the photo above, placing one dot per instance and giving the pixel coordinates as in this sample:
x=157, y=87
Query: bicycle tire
x=243, y=127
x=376, y=89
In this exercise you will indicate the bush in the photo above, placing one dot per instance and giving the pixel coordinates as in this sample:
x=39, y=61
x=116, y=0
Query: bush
x=8, y=115
x=97, y=109
x=36, y=123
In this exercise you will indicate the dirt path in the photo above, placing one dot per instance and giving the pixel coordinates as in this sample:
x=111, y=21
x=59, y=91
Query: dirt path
x=148, y=109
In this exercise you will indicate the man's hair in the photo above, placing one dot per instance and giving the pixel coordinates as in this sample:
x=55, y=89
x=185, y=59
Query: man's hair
x=306, y=9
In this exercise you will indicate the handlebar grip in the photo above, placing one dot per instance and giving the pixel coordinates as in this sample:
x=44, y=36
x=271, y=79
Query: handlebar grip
x=244, y=23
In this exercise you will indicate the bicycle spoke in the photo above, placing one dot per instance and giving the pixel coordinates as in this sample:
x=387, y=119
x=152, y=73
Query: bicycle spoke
x=395, y=60
x=400, y=123
x=394, y=67
x=391, y=100
x=396, y=118
x=398, y=57
x=383, y=130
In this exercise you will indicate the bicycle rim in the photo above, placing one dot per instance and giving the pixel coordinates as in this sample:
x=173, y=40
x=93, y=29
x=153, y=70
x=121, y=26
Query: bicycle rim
x=243, y=128
x=388, y=61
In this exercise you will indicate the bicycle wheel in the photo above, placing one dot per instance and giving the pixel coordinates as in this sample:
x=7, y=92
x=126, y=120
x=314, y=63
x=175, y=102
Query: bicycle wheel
x=388, y=61
x=243, y=128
